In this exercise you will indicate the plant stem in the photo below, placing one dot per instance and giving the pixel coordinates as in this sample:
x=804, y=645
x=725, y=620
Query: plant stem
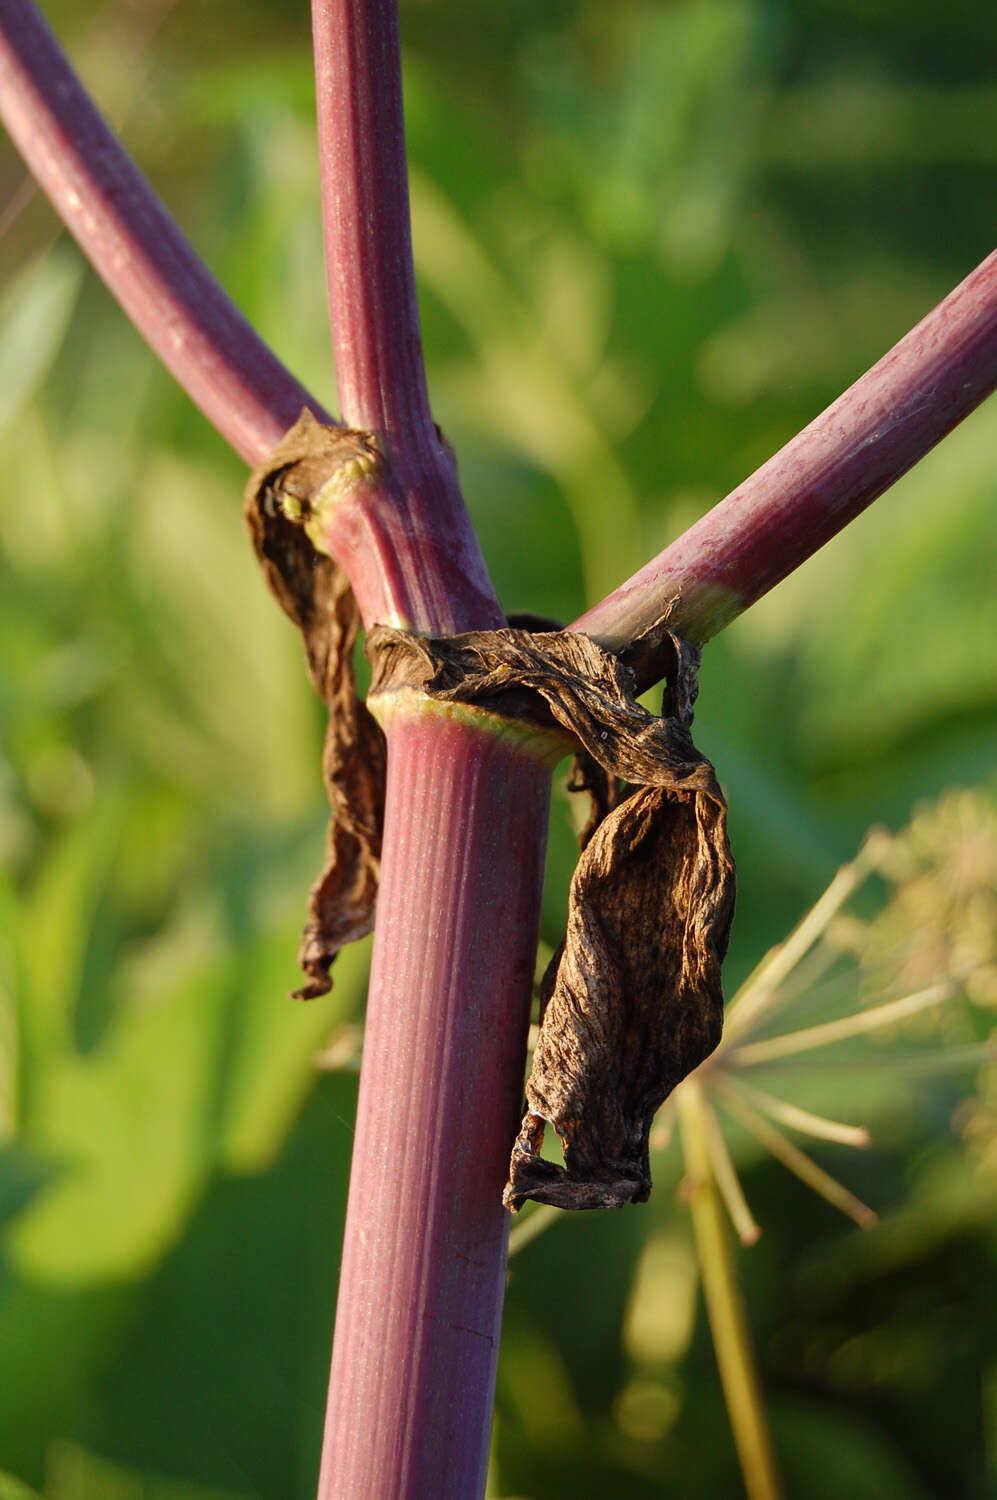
x=423, y=1271
x=724, y=1303
x=422, y=1280
x=796, y=1161
x=132, y=242
x=375, y=319
x=419, y=510
x=820, y=480
x=773, y=522
x=791, y=1043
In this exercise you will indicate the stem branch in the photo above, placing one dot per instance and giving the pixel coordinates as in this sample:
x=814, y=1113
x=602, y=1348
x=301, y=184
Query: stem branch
x=419, y=509
x=136, y=247
x=822, y=479
x=372, y=301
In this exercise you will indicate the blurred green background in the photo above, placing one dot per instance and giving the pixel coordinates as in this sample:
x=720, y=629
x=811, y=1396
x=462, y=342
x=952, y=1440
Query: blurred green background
x=653, y=240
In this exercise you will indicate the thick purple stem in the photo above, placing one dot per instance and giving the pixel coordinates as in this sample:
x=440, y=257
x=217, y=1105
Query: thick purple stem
x=132, y=242
x=422, y=1280
x=375, y=319
x=820, y=480
x=375, y=332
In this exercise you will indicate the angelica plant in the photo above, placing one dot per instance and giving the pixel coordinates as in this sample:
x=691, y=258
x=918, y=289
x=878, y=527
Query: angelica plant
x=459, y=854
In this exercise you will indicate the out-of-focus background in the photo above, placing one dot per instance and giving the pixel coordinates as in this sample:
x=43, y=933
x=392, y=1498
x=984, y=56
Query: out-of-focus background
x=653, y=241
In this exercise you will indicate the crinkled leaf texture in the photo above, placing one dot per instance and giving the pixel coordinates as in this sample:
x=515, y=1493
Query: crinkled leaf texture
x=316, y=595
x=633, y=1000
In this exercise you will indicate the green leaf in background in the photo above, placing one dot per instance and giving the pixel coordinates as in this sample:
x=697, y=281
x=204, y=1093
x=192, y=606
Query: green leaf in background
x=274, y=1045
x=48, y=937
x=213, y=1068
x=35, y=309
x=824, y=1459
x=76, y=1474
x=13, y=1489
x=126, y=1129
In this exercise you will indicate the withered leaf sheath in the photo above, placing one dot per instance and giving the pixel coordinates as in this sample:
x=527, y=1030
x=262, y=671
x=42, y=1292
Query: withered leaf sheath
x=315, y=593
x=633, y=1001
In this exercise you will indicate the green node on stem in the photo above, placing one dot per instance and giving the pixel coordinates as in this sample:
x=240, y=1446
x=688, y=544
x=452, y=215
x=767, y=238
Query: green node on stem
x=548, y=746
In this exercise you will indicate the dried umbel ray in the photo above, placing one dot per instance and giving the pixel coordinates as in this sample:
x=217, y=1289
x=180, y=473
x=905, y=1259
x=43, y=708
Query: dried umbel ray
x=632, y=1002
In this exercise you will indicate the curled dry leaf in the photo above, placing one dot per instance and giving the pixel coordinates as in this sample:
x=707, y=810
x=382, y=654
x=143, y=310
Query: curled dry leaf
x=633, y=1000
x=315, y=593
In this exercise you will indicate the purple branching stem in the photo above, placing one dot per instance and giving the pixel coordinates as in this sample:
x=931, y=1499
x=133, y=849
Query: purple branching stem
x=422, y=1280
x=465, y=819
x=466, y=815
x=821, y=479
x=375, y=319
x=132, y=242
x=375, y=331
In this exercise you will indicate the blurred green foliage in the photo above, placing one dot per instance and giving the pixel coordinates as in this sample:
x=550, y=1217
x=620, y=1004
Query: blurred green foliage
x=653, y=240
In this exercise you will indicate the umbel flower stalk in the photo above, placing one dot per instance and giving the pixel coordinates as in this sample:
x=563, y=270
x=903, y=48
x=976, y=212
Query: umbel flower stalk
x=421, y=1287
x=936, y=930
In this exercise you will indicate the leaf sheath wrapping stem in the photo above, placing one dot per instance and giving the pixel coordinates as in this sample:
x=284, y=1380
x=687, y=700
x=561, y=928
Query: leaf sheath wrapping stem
x=316, y=594
x=632, y=1002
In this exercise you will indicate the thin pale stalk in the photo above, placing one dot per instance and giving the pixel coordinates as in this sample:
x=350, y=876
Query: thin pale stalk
x=423, y=1270
x=760, y=990
x=17, y=203
x=803, y=1120
x=135, y=246
x=795, y=1160
x=529, y=1227
x=725, y=1304
x=927, y=1063
x=793, y=1042
x=726, y=1178
x=664, y=1127
x=821, y=479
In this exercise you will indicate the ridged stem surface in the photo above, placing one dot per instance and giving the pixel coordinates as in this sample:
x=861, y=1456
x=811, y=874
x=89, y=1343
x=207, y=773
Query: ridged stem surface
x=423, y=1271
x=375, y=319
x=418, y=514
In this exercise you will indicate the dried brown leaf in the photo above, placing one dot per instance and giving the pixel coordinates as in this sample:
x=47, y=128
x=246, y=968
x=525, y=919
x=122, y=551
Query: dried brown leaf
x=316, y=595
x=633, y=1000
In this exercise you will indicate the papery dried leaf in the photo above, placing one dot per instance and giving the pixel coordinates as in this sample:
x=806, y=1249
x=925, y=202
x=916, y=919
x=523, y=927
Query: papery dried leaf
x=315, y=593
x=635, y=1002
x=633, y=998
